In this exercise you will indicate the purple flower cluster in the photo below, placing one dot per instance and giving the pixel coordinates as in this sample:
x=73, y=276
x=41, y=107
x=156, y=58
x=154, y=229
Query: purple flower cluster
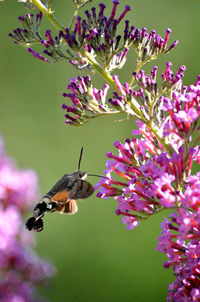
x=86, y=101
x=126, y=98
x=97, y=35
x=145, y=164
x=147, y=177
x=93, y=37
x=21, y=269
x=30, y=31
x=89, y=102
x=184, y=111
x=180, y=240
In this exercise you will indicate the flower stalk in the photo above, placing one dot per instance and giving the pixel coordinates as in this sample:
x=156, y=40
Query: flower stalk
x=48, y=14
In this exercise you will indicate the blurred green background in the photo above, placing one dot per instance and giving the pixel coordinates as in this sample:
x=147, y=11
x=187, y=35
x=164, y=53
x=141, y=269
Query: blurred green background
x=96, y=258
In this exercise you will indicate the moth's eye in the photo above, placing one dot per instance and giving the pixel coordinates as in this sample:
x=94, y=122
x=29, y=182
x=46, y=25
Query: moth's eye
x=83, y=175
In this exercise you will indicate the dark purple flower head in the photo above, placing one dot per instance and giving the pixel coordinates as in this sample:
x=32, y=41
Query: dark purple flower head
x=98, y=35
x=30, y=29
x=30, y=35
x=149, y=46
x=86, y=101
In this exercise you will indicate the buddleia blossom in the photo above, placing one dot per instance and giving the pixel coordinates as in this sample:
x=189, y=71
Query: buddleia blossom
x=154, y=175
x=184, y=111
x=95, y=34
x=179, y=239
x=89, y=102
x=146, y=177
x=21, y=269
x=94, y=40
x=148, y=94
x=30, y=32
x=149, y=179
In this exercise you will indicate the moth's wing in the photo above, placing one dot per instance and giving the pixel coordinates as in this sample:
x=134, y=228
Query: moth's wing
x=61, y=196
x=69, y=208
x=65, y=183
x=81, y=189
x=64, y=204
x=76, y=188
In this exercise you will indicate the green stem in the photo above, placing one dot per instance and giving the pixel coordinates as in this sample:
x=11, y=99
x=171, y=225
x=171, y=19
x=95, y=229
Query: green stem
x=133, y=77
x=74, y=17
x=103, y=113
x=139, y=65
x=48, y=13
x=153, y=104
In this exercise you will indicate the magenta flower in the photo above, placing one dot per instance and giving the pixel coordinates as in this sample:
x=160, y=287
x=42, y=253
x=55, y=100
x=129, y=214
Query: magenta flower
x=145, y=178
x=21, y=269
x=180, y=241
x=9, y=225
x=149, y=179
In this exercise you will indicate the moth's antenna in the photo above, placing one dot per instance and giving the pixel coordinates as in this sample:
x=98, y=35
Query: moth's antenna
x=98, y=176
x=80, y=157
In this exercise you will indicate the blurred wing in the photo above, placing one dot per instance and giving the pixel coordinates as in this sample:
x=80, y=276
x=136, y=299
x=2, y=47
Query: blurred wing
x=61, y=196
x=64, y=183
x=81, y=189
x=69, y=208
x=64, y=204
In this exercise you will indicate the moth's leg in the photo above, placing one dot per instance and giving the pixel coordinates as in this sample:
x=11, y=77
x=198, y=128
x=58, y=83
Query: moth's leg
x=52, y=206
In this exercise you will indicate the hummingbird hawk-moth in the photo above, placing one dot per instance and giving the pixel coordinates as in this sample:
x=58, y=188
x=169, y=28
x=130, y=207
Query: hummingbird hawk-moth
x=62, y=197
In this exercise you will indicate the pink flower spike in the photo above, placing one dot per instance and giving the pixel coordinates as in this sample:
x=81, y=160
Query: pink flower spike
x=172, y=45
x=49, y=37
x=78, y=25
x=37, y=55
x=127, y=9
x=117, y=82
x=168, y=31
x=115, y=3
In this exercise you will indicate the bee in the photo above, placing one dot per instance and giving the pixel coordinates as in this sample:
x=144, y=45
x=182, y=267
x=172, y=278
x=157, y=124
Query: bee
x=62, y=197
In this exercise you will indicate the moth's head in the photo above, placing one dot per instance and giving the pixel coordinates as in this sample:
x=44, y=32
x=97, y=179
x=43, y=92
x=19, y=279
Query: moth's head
x=81, y=175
